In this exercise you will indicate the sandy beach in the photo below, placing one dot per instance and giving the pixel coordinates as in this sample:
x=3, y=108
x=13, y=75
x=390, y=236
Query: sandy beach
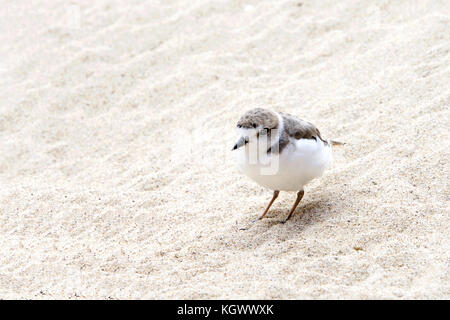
x=116, y=123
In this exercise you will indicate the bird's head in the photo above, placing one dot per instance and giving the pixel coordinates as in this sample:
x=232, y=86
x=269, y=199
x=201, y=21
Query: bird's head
x=256, y=124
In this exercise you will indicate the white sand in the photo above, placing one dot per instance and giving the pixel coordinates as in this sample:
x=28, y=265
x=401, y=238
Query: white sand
x=116, y=123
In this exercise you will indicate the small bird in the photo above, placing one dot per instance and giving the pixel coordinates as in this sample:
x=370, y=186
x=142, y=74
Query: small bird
x=281, y=152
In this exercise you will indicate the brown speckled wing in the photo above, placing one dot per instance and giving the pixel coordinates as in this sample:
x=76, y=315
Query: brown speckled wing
x=295, y=128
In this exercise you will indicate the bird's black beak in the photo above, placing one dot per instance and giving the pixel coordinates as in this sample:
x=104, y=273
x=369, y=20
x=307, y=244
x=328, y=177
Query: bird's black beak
x=241, y=142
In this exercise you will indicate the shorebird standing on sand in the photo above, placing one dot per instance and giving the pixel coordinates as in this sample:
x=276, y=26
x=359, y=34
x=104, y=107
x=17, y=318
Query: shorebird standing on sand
x=294, y=148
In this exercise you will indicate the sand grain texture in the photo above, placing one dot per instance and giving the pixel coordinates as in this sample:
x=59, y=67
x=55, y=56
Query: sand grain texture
x=116, y=124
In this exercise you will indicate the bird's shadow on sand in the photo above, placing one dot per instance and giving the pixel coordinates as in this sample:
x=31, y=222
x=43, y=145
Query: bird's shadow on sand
x=310, y=213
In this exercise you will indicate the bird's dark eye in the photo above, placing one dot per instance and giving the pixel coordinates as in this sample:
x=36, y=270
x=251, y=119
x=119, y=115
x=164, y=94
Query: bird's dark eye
x=254, y=125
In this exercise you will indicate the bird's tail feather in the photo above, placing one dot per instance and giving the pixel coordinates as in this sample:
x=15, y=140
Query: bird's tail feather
x=336, y=143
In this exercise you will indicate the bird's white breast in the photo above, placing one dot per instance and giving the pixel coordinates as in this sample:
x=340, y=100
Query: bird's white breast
x=298, y=163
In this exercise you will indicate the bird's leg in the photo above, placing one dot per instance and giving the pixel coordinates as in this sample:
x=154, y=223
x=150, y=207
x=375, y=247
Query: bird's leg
x=275, y=195
x=299, y=197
